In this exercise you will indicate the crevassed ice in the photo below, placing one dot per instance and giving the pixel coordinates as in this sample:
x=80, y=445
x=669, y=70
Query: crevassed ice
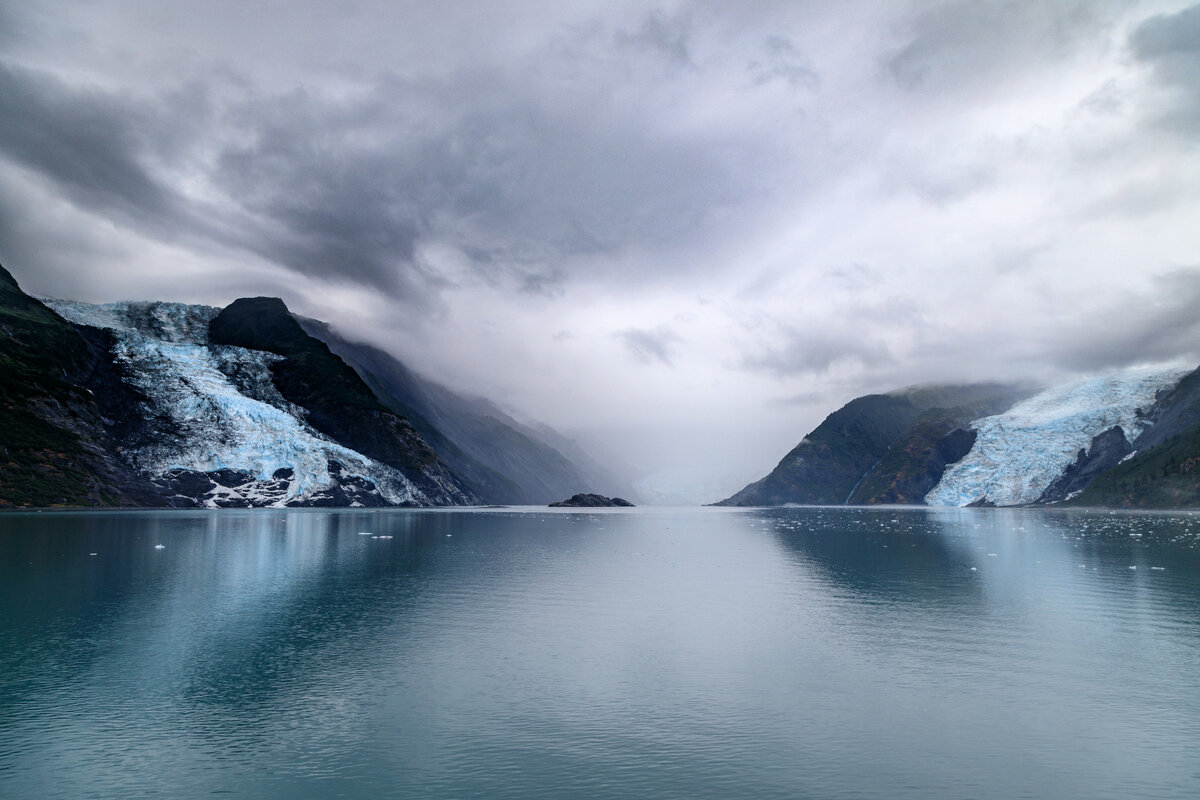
x=166, y=347
x=1019, y=453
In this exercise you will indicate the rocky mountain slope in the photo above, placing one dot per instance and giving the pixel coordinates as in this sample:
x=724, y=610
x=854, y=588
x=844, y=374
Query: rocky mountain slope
x=63, y=408
x=1162, y=466
x=503, y=460
x=1130, y=439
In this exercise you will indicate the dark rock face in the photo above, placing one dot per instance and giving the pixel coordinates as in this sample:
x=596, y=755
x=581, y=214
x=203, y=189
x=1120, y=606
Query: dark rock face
x=1172, y=414
x=1105, y=452
x=62, y=408
x=955, y=445
x=592, y=501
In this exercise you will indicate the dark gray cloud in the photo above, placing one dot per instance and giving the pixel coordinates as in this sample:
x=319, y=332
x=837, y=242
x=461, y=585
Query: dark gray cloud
x=782, y=60
x=95, y=146
x=650, y=346
x=662, y=35
x=814, y=351
x=349, y=188
x=1170, y=43
x=976, y=44
x=1157, y=324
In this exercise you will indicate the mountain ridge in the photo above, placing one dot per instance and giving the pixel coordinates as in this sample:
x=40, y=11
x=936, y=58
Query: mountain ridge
x=1127, y=439
x=165, y=404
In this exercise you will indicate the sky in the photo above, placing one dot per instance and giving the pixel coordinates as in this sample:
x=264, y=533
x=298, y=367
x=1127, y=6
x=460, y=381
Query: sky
x=681, y=232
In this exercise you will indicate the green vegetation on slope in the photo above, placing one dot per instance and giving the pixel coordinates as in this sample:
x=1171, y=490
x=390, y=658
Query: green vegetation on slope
x=1166, y=476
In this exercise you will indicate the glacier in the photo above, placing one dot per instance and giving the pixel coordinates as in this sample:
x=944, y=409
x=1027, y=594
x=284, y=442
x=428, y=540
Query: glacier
x=218, y=412
x=1019, y=453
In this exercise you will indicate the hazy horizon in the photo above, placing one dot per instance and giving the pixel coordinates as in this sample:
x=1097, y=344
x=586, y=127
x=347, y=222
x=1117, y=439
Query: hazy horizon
x=682, y=234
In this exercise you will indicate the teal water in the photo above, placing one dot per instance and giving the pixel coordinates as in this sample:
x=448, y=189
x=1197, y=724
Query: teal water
x=527, y=653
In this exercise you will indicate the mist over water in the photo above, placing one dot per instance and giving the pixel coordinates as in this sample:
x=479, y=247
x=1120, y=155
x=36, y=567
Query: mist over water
x=603, y=653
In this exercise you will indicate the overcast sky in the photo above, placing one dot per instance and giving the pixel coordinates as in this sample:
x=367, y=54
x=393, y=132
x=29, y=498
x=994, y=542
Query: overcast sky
x=686, y=231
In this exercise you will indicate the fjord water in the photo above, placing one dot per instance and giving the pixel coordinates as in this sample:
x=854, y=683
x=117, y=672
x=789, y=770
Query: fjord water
x=524, y=653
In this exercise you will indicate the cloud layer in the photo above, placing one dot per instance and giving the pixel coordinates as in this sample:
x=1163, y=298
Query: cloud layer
x=655, y=228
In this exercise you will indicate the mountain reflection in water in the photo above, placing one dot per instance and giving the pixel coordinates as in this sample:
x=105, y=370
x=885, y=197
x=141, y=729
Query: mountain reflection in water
x=601, y=653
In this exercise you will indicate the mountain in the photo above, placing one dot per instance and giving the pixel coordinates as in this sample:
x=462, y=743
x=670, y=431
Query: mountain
x=503, y=460
x=1019, y=454
x=1130, y=438
x=1162, y=467
x=167, y=404
x=239, y=407
x=882, y=448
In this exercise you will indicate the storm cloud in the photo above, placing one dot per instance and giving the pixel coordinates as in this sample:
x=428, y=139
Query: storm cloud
x=736, y=216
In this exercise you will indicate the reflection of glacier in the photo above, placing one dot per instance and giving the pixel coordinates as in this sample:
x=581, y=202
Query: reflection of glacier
x=224, y=412
x=1019, y=453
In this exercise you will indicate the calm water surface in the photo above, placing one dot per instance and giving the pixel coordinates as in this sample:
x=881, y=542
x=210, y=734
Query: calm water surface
x=525, y=653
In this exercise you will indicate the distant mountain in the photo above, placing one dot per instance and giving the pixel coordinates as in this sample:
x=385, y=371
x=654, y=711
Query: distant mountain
x=882, y=448
x=1131, y=438
x=166, y=404
x=503, y=460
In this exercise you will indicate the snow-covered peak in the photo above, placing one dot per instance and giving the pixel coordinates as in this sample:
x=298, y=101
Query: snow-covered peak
x=1019, y=453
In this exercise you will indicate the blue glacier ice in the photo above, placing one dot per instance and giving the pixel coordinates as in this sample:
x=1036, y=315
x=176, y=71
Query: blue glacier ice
x=1019, y=453
x=248, y=427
